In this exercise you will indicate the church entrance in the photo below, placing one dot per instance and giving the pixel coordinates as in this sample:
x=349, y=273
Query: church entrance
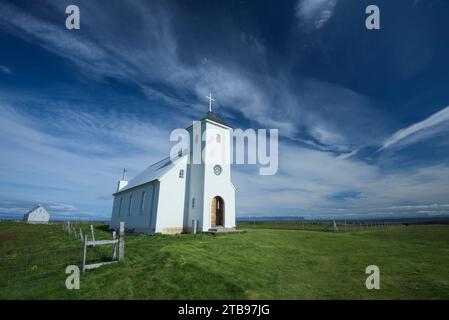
x=217, y=211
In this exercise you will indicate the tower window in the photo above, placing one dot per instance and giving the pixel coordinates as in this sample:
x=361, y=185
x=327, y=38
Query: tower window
x=218, y=138
x=181, y=173
x=193, y=203
x=196, y=138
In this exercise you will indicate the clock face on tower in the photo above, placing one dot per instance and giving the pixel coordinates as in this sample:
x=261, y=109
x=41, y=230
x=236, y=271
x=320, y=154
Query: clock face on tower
x=217, y=170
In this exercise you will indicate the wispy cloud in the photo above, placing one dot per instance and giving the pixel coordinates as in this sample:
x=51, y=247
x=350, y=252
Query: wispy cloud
x=315, y=13
x=349, y=154
x=308, y=180
x=420, y=130
x=73, y=157
x=5, y=69
x=151, y=55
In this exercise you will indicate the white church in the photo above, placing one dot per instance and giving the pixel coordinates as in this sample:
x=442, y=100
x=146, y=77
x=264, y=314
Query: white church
x=183, y=196
x=37, y=215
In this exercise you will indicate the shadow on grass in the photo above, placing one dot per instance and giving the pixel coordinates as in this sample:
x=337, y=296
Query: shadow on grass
x=103, y=227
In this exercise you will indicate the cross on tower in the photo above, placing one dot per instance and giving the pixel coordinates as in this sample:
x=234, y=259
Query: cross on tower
x=124, y=174
x=210, y=101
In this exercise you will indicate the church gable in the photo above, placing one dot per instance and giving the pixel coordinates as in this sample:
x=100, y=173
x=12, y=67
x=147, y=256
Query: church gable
x=37, y=215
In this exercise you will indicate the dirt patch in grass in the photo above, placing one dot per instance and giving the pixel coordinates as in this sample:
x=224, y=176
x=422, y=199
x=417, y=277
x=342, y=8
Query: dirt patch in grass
x=9, y=238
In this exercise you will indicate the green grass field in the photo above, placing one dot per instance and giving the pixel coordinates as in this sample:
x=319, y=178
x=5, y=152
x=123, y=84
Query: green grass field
x=259, y=264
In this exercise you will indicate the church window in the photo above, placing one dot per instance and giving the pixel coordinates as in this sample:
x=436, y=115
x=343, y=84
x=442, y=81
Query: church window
x=193, y=203
x=218, y=138
x=142, y=204
x=130, y=205
x=196, y=138
x=181, y=173
x=120, y=207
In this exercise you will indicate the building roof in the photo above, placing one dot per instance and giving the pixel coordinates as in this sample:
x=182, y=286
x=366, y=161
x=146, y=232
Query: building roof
x=152, y=173
x=35, y=208
x=213, y=117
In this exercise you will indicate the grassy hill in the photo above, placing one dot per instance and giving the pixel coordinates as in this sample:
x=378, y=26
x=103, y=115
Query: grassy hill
x=259, y=264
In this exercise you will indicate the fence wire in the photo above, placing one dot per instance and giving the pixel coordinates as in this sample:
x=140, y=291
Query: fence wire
x=323, y=226
x=32, y=269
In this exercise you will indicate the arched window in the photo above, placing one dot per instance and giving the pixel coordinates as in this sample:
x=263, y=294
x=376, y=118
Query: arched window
x=193, y=203
x=218, y=138
x=181, y=173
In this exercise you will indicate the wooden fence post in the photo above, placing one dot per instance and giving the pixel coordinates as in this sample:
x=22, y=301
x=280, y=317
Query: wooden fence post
x=84, y=252
x=93, y=234
x=121, y=250
x=81, y=234
x=114, y=246
x=335, y=226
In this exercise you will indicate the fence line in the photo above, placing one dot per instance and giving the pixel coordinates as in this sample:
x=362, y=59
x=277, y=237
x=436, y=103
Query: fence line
x=31, y=266
x=323, y=225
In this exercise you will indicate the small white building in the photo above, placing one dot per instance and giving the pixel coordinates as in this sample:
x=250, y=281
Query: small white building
x=37, y=215
x=171, y=197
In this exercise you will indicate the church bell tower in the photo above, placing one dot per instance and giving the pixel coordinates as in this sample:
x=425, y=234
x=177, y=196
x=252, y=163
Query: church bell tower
x=211, y=194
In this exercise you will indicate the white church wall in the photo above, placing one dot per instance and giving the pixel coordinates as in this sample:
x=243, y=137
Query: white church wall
x=196, y=180
x=195, y=194
x=136, y=207
x=38, y=215
x=218, y=185
x=170, y=219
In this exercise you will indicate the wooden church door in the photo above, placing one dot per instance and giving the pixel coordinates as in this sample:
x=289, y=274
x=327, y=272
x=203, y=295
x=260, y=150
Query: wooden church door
x=217, y=211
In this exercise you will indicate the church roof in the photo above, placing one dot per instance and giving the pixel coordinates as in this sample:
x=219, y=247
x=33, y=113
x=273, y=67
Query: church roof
x=153, y=172
x=213, y=117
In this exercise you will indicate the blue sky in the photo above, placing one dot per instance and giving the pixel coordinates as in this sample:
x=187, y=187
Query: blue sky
x=363, y=115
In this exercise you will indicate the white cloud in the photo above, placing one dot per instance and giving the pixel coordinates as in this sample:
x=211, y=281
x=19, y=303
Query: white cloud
x=315, y=13
x=420, y=130
x=348, y=155
x=308, y=180
x=73, y=158
x=150, y=55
